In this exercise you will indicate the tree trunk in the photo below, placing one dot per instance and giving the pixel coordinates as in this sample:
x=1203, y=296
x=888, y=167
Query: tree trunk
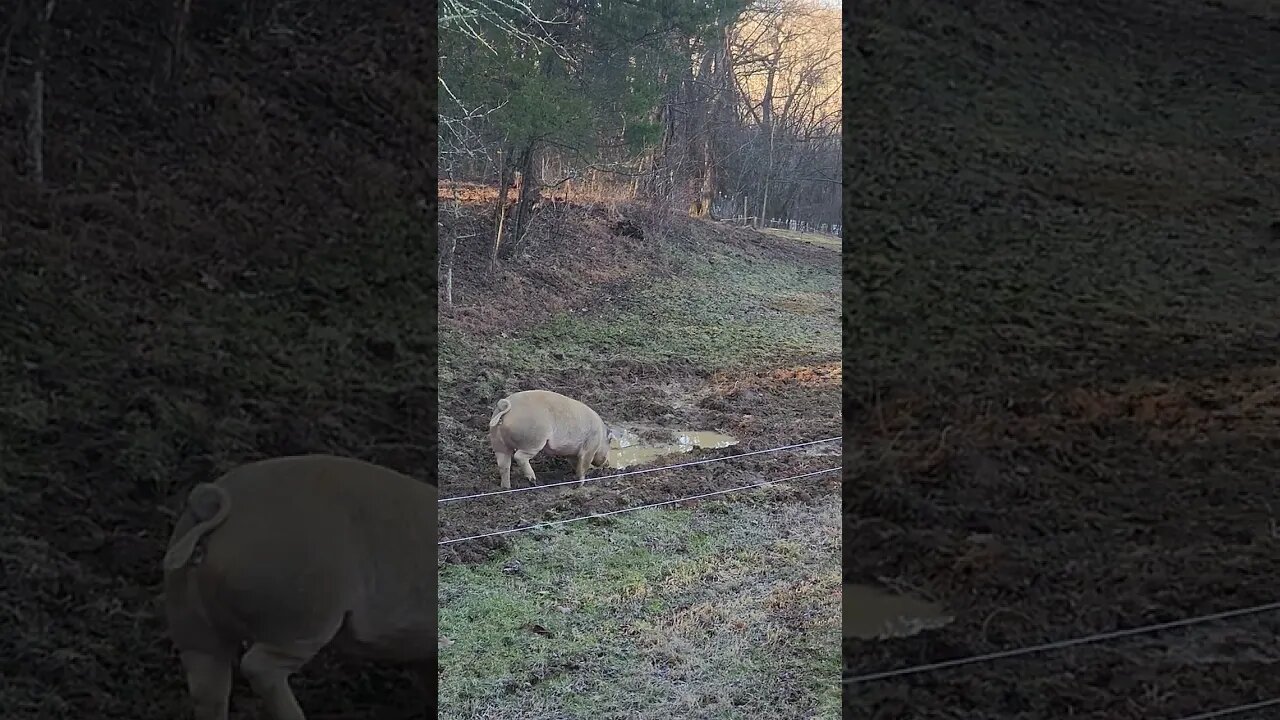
x=654, y=185
x=171, y=53
x=768, y=175
x=500, y=213
x=35, y=111
x=448, y=271
x=181, y=14
x=528, y=195
x=704, y=182
x=703, y=108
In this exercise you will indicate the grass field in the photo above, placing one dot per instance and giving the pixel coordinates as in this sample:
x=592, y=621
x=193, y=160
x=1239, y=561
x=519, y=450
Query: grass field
x=725, y=611
x=823, y=239
x=719, y=306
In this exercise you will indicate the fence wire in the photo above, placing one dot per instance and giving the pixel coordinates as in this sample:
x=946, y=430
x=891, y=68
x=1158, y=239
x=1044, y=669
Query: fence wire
x=491, y=493
x=554, y=523
x=1059, y=644
x=1234, y=709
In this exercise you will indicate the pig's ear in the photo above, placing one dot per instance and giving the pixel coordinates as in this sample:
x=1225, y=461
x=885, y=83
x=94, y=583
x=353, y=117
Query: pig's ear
x=614, y=433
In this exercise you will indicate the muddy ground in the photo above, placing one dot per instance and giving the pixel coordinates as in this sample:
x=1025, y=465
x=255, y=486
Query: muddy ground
x=726, y=609
x=1061, y=353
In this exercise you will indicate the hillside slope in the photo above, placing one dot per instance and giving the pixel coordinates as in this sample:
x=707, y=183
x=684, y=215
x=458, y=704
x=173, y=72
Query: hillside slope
x=666, y=324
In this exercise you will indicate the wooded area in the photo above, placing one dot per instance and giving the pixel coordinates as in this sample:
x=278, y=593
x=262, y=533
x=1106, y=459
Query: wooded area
x=721, y=108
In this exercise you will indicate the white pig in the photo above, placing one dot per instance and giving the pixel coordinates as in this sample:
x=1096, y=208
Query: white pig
x=292, y=554
x=528, y=422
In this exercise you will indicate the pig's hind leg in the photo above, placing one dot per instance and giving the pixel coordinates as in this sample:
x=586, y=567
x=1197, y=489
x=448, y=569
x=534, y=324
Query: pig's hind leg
x=209, y=680
x=504, y=467
x=523, y=458
x=268, y=667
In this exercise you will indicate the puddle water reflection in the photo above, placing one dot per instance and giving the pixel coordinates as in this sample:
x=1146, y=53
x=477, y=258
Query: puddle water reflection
x=871, y=613
x=631, y=449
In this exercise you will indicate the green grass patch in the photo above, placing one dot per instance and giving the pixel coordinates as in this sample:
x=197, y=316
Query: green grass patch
x=663, y=613
x=821, y=239
x=723, y=310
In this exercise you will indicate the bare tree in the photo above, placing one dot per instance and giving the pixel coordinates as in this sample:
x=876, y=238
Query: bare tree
x=697, y=112
x=754, y=127
x=784, y=150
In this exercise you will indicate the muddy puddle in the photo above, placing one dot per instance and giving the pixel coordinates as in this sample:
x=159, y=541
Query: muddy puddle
x=634, y=449
x=870, y=613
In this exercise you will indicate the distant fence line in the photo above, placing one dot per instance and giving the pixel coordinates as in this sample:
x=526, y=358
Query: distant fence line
x=792, y=225
x=802, y=226
x=730, y=210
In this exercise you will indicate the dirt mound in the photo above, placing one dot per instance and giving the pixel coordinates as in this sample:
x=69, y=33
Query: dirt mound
x=1063, y=319
x=230, y=270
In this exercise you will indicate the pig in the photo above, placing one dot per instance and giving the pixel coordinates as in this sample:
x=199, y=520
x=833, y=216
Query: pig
x=528, y=422
x=289, y=555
